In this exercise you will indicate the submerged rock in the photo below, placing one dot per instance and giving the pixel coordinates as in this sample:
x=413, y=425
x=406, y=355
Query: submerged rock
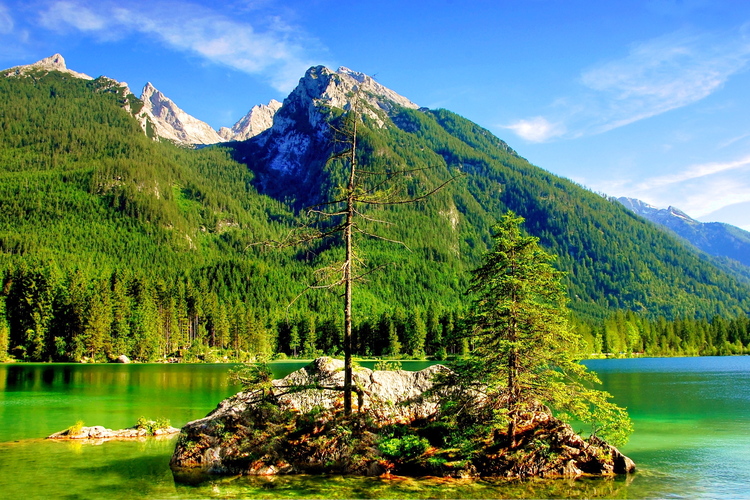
x=300, y=428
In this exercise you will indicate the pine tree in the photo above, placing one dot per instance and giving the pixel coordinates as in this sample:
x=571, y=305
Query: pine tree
x=525, y=353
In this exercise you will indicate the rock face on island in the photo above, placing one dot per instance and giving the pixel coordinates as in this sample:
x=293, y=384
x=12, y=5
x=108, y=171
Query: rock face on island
x=298, y=427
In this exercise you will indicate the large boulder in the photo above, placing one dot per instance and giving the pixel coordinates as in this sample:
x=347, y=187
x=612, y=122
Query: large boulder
x=389, y=395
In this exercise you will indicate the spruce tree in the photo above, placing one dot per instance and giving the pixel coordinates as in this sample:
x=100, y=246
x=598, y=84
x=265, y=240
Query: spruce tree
x=525, y=353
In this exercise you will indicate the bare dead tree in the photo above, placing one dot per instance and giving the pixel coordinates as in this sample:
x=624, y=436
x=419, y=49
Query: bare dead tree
x=362, y=188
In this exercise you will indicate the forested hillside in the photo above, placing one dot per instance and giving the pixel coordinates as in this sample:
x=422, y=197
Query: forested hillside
x=112, y=243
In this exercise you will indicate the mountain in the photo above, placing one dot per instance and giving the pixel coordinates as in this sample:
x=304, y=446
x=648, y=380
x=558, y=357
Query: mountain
x=714, y=238
x=55, y=62
x=172, y=123
x=111, y=242
x=258, y=119
x=161, y=118
x=613, y=259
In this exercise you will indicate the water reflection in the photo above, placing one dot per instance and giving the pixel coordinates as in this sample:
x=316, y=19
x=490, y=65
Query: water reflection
x=402, y=487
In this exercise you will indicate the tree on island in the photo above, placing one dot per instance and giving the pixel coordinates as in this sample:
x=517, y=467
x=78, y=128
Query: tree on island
x=343, y=216
x=524, y=352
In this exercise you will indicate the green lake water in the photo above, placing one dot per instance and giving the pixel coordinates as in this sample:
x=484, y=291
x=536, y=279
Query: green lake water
x=692, y=439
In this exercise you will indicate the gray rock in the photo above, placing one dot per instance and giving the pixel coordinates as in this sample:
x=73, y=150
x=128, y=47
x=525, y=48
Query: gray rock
x=101, y=433
x=390, y=396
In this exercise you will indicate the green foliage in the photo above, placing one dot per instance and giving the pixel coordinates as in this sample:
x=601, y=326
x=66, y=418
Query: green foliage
x=403, y=448
x=385, y=365
x=151, y=426
x=112, y=243
x=251, y=376
x=75, y=429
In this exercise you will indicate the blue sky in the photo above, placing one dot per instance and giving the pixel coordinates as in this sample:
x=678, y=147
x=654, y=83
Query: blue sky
x=647, y=99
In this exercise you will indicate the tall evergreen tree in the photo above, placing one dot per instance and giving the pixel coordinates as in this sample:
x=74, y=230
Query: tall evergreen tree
x=525, y=353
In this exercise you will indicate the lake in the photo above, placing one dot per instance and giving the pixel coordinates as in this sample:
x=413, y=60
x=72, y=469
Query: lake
x=692, y=420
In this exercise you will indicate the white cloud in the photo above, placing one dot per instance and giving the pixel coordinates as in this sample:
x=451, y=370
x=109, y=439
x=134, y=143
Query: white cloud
x=707, y=197
x=694, y=172
x=278, y=52
x=63, y=14
x=537, y=129
x=662, y=74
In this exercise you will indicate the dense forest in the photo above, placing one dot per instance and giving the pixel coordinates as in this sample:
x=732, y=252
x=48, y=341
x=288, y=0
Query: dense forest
x=112, y=243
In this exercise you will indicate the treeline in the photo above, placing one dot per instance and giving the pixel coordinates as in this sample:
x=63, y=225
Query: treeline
x=46, y=315
x=49, y=316
x=625, y=332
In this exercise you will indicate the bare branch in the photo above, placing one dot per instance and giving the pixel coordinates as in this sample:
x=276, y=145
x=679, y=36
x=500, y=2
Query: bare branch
x=378, y=237
x=411, y=200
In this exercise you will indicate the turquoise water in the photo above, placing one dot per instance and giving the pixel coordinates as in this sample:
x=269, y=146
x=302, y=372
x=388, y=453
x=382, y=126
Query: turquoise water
x=692, y=439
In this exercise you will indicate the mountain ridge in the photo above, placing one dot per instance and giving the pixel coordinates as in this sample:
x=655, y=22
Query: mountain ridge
x=613, y=259
x=715, y=238
x=163, y=118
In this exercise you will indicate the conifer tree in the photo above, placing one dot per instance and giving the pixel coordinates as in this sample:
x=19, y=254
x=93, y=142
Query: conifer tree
x=525, y=353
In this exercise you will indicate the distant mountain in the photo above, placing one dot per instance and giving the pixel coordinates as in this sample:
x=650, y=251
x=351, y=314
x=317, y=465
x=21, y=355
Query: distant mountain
x=715, y=238
x=172, y=123
x=55, y=62
x=160, y=117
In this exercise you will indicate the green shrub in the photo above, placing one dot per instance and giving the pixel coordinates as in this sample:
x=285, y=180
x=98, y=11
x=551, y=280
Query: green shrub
x=404, y=448
x=384, y=365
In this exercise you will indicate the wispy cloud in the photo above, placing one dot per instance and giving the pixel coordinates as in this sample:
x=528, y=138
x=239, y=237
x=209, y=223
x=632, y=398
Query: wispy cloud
x=537, y=129
x=698, y=190
x=273, y=50
x=694, y=172
x=62, y=14
x=656, y=76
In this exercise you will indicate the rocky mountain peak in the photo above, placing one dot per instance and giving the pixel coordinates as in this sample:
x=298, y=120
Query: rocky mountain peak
x=300, y=132
x=55, y=62
x=323, y=87
x=172, y=123
x=258, y=119
x=663, y=216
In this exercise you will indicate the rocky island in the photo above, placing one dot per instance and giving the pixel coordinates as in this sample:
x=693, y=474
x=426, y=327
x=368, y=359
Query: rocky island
x=297, y=427
x=142, y=429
